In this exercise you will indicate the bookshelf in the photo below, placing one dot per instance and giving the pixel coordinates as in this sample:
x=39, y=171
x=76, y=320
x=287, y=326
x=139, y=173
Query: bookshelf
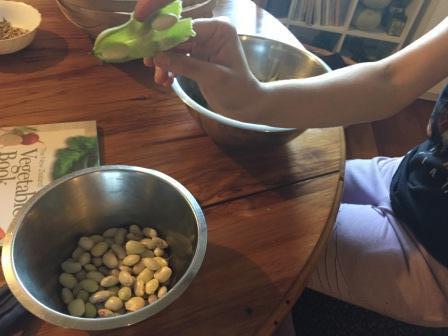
x=337, y=32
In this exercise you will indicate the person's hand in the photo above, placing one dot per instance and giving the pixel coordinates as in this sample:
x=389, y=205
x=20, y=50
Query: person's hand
x=217, y=63
x=145, y=8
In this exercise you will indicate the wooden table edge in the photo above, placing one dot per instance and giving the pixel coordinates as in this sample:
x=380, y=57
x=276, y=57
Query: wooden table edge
x=293, y=294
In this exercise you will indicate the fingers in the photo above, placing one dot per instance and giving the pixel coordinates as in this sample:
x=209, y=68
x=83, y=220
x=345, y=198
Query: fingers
x=145, y=8
x=208, y=28
x=212, y=35
x=168, y=82
x=199, y=71
x=160, y=76
x=218, y=40
x=148, y=62
x=214, y=49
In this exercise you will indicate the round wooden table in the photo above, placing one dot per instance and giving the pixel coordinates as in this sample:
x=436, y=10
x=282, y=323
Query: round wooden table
x=269, y=212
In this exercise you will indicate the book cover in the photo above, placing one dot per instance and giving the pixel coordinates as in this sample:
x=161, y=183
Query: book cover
x=33, y=156
x=326, y=12
x=301, y=10
x=317, y=12
x=309, y=12
x=331, y=17
x=344, y=8
x=337, y=13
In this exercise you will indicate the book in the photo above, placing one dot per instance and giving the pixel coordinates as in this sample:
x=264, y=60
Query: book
x=301, y=10
x=344, y=6
x=331, y=18
x=317, y=12
x=337, y=12
x=33, y=156
x=326, y=12
x=309, y=12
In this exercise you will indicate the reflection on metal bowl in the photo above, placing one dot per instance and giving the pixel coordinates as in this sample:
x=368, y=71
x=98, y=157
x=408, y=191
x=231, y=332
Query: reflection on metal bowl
x=269, y=60
x=48, y=227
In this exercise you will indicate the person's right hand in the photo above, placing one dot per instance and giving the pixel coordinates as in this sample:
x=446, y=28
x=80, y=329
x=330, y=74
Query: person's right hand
x=217, y=63
x=145, y=8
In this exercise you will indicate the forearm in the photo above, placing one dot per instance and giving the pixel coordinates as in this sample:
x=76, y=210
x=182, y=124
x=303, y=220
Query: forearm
x=346, y=96
x=422, y=64
x=359, y=93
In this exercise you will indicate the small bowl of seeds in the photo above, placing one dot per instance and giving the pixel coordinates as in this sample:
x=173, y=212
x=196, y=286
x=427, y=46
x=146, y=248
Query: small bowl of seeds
x=18, y=25
x=104, y=247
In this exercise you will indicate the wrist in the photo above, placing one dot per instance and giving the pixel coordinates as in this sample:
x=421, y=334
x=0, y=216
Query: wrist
x=263, y=103
x=247, y=104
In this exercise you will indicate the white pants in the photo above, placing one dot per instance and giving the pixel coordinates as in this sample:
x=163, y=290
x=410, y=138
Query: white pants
x=373, y=261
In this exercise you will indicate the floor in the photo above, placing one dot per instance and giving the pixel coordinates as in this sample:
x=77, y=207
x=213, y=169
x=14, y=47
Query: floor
x=391, y=137
x=320, y=315
x=317, y=314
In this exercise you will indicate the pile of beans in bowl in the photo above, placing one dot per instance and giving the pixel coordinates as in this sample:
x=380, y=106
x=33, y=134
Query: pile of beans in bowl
x=120, y=271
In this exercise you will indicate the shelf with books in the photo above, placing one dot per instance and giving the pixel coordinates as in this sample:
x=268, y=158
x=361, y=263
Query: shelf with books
x=334, y=29
x=319, y=12
x=366, y=50
x=375, y=35
x=284, y=20
x=318, y=38
x=353, y=18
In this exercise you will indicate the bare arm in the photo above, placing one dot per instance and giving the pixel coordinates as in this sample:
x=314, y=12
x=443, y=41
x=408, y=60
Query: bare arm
x=358, y=93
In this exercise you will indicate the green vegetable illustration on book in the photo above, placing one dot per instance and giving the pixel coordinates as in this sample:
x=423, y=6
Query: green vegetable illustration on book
x=134, y=39
x=81, y=152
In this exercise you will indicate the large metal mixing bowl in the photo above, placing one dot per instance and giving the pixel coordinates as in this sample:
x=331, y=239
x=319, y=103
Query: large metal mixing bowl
x=269, y=60
x=95, y=16
x=46, y=231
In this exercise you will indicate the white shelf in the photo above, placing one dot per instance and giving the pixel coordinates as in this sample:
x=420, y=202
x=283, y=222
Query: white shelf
x=435, y=12
x=333, y=29
x=346, y=30
x=377, y=35
x=422, y=15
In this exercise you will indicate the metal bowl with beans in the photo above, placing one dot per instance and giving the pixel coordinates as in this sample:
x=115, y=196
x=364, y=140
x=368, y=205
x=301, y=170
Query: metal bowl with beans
x=120, y=271
x=117, y=242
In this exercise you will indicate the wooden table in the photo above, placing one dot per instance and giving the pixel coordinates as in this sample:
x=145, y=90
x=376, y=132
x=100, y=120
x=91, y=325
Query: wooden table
x=269, y=212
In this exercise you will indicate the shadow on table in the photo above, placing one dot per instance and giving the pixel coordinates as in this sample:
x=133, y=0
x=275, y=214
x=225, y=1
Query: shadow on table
x=318, y=314
x=200, y=308
x=141, y=74
x=270, y=166
x=36, y=57
x=27, y=326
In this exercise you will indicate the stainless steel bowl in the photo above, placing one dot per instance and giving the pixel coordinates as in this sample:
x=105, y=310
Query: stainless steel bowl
x=46, y=231
x=269, y=60
x=95, y=16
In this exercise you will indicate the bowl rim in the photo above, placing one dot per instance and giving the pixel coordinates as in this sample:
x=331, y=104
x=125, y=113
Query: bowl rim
x=31, y=31
x=233, y=122
x=81, y=323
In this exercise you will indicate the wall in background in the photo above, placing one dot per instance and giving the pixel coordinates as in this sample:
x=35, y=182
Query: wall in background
x=434, y=12
x=424, y=14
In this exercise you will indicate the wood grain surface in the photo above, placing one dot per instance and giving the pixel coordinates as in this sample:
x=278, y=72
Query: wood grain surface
x=268, y=211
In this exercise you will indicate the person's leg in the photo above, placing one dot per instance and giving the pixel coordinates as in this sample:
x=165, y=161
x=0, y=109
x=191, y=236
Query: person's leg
x=286, y=327
x=368, y=181
x=372, y=262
